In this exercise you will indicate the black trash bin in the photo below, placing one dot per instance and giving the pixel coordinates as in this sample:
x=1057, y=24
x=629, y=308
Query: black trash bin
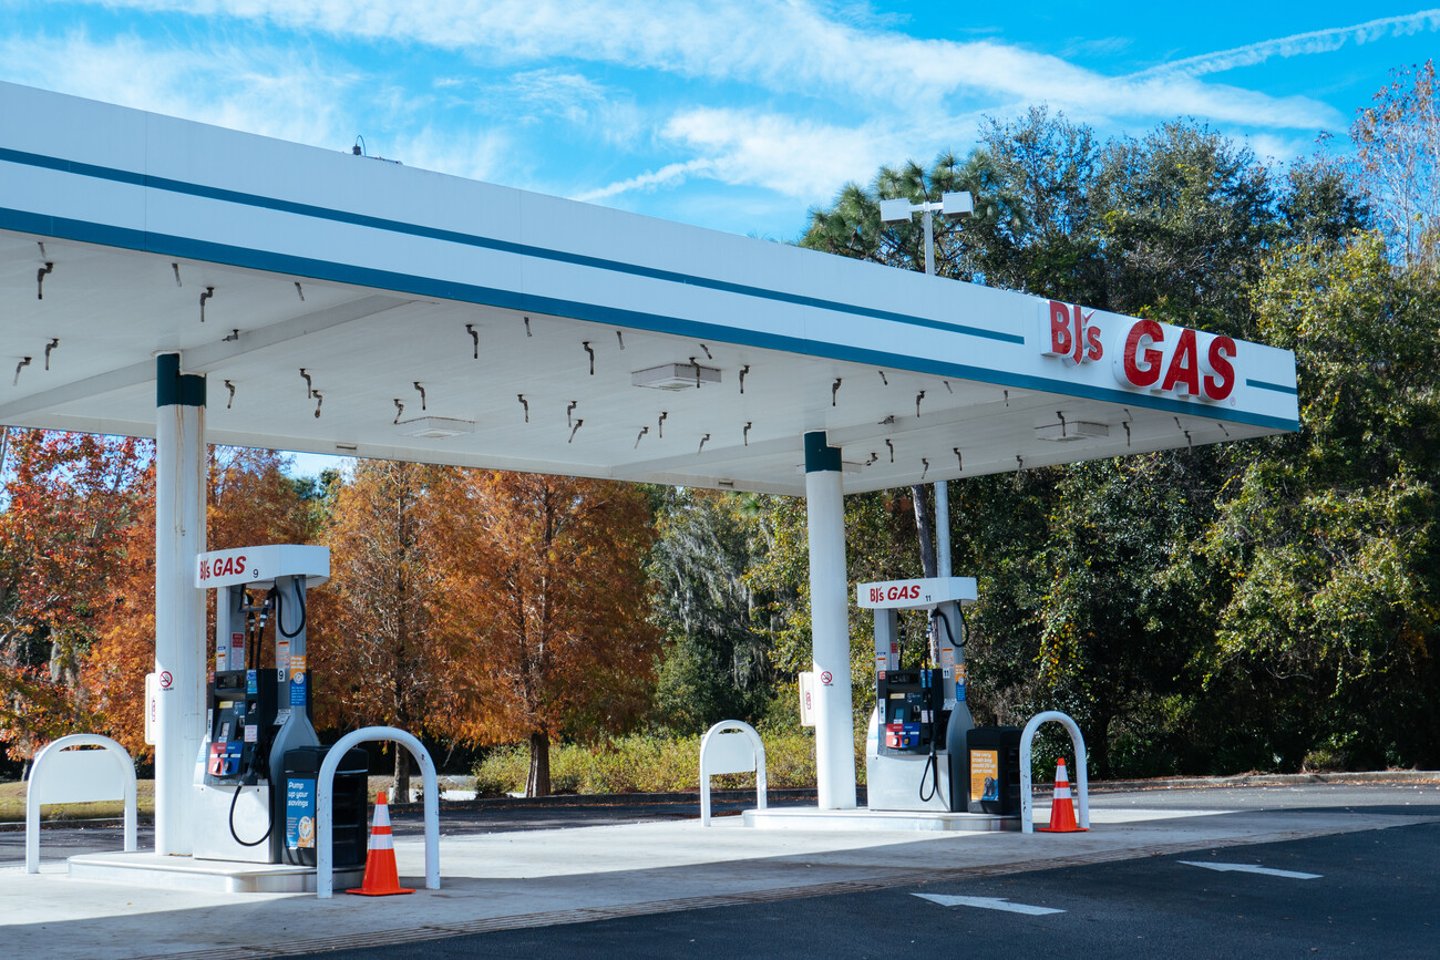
x=994, y=762
x=302, y=766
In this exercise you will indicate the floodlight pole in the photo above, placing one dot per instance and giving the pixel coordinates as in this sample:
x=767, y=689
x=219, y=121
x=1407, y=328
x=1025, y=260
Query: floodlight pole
x=958, y=204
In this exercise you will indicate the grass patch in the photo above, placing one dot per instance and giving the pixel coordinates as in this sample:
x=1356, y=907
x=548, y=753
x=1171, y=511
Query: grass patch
x=644, y=764
x=12, y=805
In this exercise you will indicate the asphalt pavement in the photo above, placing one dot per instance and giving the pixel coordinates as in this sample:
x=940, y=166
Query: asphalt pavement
x=1344, y=870
x=1370, y=894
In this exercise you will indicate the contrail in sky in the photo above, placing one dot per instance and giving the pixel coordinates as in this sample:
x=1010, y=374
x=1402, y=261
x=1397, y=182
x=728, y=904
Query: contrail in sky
x=1299, y=44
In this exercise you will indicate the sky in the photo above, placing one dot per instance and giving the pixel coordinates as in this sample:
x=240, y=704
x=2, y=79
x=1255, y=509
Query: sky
x=738, y=115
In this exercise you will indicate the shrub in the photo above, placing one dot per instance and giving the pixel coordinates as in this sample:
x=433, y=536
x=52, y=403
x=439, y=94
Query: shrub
x=643, y=763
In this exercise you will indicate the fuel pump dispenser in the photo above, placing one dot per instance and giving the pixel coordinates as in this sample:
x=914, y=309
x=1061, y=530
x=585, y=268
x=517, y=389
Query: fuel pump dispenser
x=915, y=748
x=259, y=716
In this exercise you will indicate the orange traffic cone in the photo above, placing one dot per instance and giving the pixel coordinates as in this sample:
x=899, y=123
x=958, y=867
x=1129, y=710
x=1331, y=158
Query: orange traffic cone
x=1062, y=808
x=381, y=877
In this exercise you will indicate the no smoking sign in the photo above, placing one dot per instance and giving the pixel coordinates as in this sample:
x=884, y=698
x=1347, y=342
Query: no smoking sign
x=826, y=678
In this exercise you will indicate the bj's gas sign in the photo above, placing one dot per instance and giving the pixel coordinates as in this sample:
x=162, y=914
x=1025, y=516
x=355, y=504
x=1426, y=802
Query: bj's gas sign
x=1143, y=354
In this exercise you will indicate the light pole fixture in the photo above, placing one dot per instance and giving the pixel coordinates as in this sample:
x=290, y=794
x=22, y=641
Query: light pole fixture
x=957, y=204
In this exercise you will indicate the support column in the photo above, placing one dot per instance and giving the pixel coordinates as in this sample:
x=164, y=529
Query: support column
x=829, y=625
x=180, y=475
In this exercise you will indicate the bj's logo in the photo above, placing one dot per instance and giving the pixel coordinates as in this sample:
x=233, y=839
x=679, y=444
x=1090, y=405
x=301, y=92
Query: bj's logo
x=1072, y=334
x=1184, y=362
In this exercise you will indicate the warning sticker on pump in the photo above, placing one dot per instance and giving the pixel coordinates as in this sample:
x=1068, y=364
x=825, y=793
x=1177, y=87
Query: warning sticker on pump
x=252, y=733
x=297, y=669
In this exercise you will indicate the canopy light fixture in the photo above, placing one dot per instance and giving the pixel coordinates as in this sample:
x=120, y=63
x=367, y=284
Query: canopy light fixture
x=435, y=428
x=675, y=376
x=1065, y=431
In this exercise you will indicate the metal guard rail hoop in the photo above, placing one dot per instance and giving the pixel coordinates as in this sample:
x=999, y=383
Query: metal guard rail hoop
x=325, y=796
x=722, y=751
x=1082, y=782
x=82, y=779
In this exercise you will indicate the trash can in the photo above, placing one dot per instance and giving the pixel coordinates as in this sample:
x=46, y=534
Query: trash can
x=302, y=768
x=994, y=761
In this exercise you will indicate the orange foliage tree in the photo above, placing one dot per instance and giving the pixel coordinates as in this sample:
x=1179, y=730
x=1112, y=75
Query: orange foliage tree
x=376, y=656
x=546, y=596
x=69, y=502
x=251, y=501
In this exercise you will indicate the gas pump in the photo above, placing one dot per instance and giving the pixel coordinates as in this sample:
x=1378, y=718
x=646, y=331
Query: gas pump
x=915, y=747
x=258, y=716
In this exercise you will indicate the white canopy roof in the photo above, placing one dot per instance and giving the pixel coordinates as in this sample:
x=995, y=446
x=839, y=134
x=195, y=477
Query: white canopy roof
x=391, y=286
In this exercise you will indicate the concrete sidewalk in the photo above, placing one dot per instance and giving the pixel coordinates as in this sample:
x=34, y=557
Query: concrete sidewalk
x=496, y=881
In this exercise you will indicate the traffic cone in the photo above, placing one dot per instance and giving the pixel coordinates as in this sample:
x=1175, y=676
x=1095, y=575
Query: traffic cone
x=382, y=879
x=1062, y=808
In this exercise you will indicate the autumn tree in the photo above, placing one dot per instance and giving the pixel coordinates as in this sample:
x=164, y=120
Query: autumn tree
x=251, y=501
x=374, y=645
x=70, y=500
x=545, y=590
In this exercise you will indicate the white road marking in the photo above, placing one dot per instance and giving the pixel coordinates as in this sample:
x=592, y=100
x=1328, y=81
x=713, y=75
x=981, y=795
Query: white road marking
x=987, y=903
x=1251, y=868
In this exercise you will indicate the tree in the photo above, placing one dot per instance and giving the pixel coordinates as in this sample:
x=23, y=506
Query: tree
x=545, y=589
x=716, y=661
x=70, y=500
x=1326, y=539
x=375, y=647
x=1187, y=218
x=251, y=502
x=1397, y=142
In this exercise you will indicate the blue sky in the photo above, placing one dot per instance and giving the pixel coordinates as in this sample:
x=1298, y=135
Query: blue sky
x=738, y=115
x=733, y=114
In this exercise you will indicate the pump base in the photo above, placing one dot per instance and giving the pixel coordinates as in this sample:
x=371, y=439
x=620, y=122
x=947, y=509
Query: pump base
x=148, y=869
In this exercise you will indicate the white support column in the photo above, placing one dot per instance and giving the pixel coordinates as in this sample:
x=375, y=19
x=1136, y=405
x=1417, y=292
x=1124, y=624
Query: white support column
x=829, y=625
x=180, y=484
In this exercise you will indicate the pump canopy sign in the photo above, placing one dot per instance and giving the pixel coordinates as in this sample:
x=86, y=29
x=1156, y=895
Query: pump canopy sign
x=1144, y=354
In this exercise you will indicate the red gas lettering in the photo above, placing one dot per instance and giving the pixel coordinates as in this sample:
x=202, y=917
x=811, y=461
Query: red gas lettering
x=1141, y=358
x=1184, y=367
x=1219, y=386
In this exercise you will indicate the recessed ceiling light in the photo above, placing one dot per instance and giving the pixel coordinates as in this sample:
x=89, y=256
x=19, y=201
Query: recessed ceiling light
x=435, y=428
x=1068, y=430
x=675, y=376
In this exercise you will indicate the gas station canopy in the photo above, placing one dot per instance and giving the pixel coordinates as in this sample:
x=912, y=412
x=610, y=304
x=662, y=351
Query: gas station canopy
x=341, y=304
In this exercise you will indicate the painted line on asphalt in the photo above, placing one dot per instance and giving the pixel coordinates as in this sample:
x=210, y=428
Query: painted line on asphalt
x=1252, y=868
x=986, y=903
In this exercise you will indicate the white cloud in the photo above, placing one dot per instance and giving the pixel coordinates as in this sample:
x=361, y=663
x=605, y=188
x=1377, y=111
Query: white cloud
x=860, y=91
x=780, y=153
x=261, y=90
x=790, y=47
x=475, y=155
x=267, y=92
x=668, y=175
